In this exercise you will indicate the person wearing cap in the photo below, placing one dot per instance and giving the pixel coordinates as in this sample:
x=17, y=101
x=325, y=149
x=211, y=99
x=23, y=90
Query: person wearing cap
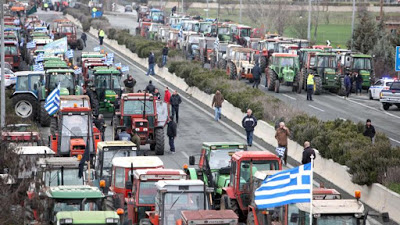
x=370, y=131
x=171, y=133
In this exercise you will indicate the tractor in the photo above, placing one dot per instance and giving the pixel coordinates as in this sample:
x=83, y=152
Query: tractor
x=356, y=63
x=21, y=135
x=240, y=34
x=163, y=34
x=221, y=31
x=69, y=30
x=173, y=36
x=145, y=114
x=191, y=45
x=121, y=178
x=143, y=28
x=144, y=190
x=214, y=165
x=241, y=64
x=265, y=50
x=12, y=53
x=88, y=217
x=206, y=48
x=325, y=71
x=225, y=56
x=284, y=68
x=236, y=195
x=90, y=57
x=175, y=196
x=209, y=217
x=153, y=31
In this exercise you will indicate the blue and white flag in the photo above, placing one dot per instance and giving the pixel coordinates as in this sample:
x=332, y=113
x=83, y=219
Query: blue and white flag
x=38, y=67
x=109, y=62
x=180, y=34
x=118, y=65
x=39, y=58
x=78, y=71
x=216, y=43
x=69, y=54
x=59, y=46
x=31, y=44
x=110, y=55
x=285, y=187
x=125, y=69
x=96, y=49
x=52, y=104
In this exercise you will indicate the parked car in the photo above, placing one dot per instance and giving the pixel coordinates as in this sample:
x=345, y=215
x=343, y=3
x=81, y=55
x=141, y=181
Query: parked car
x=374, y=91
x=128, y=8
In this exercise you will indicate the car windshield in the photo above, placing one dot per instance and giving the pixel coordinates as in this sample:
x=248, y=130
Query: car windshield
x=117, y=152
x=286, y=61
x=244, y=32
x=326, y=61
x=147, y=192
x=174, y=203
x=337, y=220
x=223, y=30
x=10, y=50
x=362, y=63
x=75, y=125
x=136, y=107
x=54, y=178
x=65, y=80
x=221, y=158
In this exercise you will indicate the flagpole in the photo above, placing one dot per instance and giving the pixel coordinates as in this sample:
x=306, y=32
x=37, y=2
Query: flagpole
x=311, y=189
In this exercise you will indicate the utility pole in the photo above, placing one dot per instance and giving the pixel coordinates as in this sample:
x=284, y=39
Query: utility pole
x=240, y=19
x=2, y=87
x=207, y=9
x=309, y=21
x=182, y=8
x=352, y=23
x=381, y=12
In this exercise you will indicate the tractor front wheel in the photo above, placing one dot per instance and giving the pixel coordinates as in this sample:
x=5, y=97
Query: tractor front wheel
x=299, y=81
x=25, y=106
x=213, y=61
x=304, y=83
x=250, y=218
x=227, y=203
x=222, y=64
x=318, y=85
x=263, y=62
x=109, y=202
x=231, y=71
x=271, y=78
x=159, y=132
x=277, y=84
x=45, y=118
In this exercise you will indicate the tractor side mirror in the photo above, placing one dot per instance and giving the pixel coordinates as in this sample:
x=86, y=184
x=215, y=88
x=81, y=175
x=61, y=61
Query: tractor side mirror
x=294, y=217
x=192, y=160
x=128, y=185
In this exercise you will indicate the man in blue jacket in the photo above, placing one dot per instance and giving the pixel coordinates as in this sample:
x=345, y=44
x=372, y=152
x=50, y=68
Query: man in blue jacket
x=249, y=122
x=347, y=84
x=151, y=64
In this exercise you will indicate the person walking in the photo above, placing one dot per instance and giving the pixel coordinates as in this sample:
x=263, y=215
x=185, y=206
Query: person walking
x=123, y=135
x=171, y=133
x=307, y=152
x=129, y=83
x=217, y=101
x=84, y=38
x=101, y=36
x=164, y=55
x=136, y=140
x=249, y=122
x=347, y=85
x=100, y=124
x=150, y=88
x=359, y=81
x=256, y=75
x=310, y=87
x=281, y=135
x=167, y=95
x=151, y=64
x=175, y=102
x=370, y=131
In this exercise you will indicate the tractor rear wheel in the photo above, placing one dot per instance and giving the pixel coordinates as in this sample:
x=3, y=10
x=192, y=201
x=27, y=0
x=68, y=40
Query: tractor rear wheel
x=28, y=213
x=263, y=62
x=231, y=71
x=222, y=64
x=109, y=202
x=227, y=203
x=159, y=133
x=318, y=85
x=25, y=106
x=304, y=83
x=342, y=87
x=95, y=105
x=271, y=77
x=213, y=61
x=202, y=60
x=44, y=116
x=53, y=125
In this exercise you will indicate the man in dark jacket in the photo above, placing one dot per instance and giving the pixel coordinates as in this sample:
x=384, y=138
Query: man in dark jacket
x=151, y=64
x=123, y=135
x=217, y=101
x=129, y=84
x=150, y=88
x=256, y=75
x=175, y=102
x=308, y=151
x=100, y=124
x=347, y=85
x=84, y=38
x=136, y=140
x=164, y=55
x=249, y=122
x=359, y=81
x=369, y=131
x=157, y=94
x=171, y=133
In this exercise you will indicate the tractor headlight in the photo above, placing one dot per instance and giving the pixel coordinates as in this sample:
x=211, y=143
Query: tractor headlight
x=66, y=221
x=112, y=220
x=134, y=148
x=144, y=129
x=137, y=129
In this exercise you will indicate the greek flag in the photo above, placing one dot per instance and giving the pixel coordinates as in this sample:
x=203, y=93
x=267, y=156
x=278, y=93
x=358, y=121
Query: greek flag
x=39, y=58
x=180, y=34
x=110, y=55
x=53, y=101
x=78, y=71
x=216, y=43
x=96, y=49
x=31, y=44
x=125, y=69
x=69, y=54
x=38, y=67
x=285, y=187
x=118, y=65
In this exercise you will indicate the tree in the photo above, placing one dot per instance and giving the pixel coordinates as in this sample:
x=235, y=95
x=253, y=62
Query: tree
x=366, y=33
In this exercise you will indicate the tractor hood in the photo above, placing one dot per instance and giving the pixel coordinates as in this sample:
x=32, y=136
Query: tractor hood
x=64, y=91
x=77, y=146
x=365, y=72
x=111, y=95
x=329, y=71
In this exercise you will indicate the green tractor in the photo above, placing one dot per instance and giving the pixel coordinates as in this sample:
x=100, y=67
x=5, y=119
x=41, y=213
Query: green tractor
x=325, y=72
x=88, y=217
x=214, y=165
x=357, y=63
x=284, y=68
x=105, y=87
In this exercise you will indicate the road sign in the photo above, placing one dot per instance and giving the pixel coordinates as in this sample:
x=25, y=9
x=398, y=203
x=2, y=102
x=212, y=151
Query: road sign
x=397, y=58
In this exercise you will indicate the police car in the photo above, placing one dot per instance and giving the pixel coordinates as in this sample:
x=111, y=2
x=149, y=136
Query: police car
x=382, y=84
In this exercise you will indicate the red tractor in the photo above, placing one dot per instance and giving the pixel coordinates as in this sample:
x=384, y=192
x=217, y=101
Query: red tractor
x=145, y=114
x=12, y=53
x=20, y=135
x=236, y=195
x=69, y=30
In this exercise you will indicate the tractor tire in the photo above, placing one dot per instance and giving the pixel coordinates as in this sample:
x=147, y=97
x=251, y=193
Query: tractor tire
x=227, y=203
x=94, y=104
x=263, y=62
x=159, y=133
x=304, y=73
x=277, y=84
x=25, y=106
x=213, y=61
x=202, y=60
x=250, y=219
x=342, y=88
x=299, y=81
x=109, y=202
x=80, y=45
x=271, y=77
x=318, y=85
x=386, y=106
x=53, y=125
x=231, y=71
x=45, y=118
x=222, y=64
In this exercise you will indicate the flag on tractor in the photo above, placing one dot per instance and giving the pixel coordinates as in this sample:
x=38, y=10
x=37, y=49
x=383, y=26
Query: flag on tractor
x=52, y=104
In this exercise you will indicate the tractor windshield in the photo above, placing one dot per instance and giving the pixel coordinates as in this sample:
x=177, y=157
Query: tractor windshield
x=147, y=192
x=286, y=61
x=176, y=202
x=269, y=45
x=136, y=107
x=243, y=56
x=66, y=29
x=223, y=30
x=63, y=205
x=107, y=82
x=65, y=80
x=11, y=50
x=362, y=63
x=326, y=61
x=194, y=39
x=246, y=170
x=245, y=32
x=221, y=158
x=205, y=28
x=53, y=178
x=110, y=154
x=75, y=125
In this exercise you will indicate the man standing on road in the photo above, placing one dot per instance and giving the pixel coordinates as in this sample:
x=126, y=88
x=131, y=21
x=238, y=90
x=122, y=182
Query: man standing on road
x=157, y=94
x=150, y=88
x=281, y=135
x=173, y=10
x=256, y=75
x=129, y=84
x=217, y=101
x=101, y=36
x=171, y=133
x=167, y=95
x=123, y=135
x=347, y=85
x=310, y=86
x=369, y=131
x=151, y=64
x=308, y=151
x=164, y=55
x=136, y=140
x=101, y=125
x=359, y=81
x=84, y=38
x=248, y=123
x=175, y=102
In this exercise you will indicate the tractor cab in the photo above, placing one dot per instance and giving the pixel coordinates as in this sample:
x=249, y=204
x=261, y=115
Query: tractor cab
x=241, y=64
x=191, y=44
x=206, y=48
x=221, y=31
x=28, y=156
x=175, y=196
x=240, y=34
x=173, y=36
x=209, y=217
x=143, y=28
x=326, y=67
x=144, y=190
x=88, y=217
x=156, y=16
x=352, y=64
x=244, y=165
x=64, y=77
x=12, y=53
x=122, y=175
x=145, y=114
x=205, y=28
x=302, y=43
x=153, y=31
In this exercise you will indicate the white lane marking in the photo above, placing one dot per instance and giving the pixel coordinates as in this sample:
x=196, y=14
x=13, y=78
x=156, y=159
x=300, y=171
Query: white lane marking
x=375, y=109
x=287, y=96
x=394, y=140
x=389, y=114
x=317, y=108
x=186, y=155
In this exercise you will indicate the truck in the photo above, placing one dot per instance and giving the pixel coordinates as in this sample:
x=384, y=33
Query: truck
x=210, y=217
x=391, y=97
